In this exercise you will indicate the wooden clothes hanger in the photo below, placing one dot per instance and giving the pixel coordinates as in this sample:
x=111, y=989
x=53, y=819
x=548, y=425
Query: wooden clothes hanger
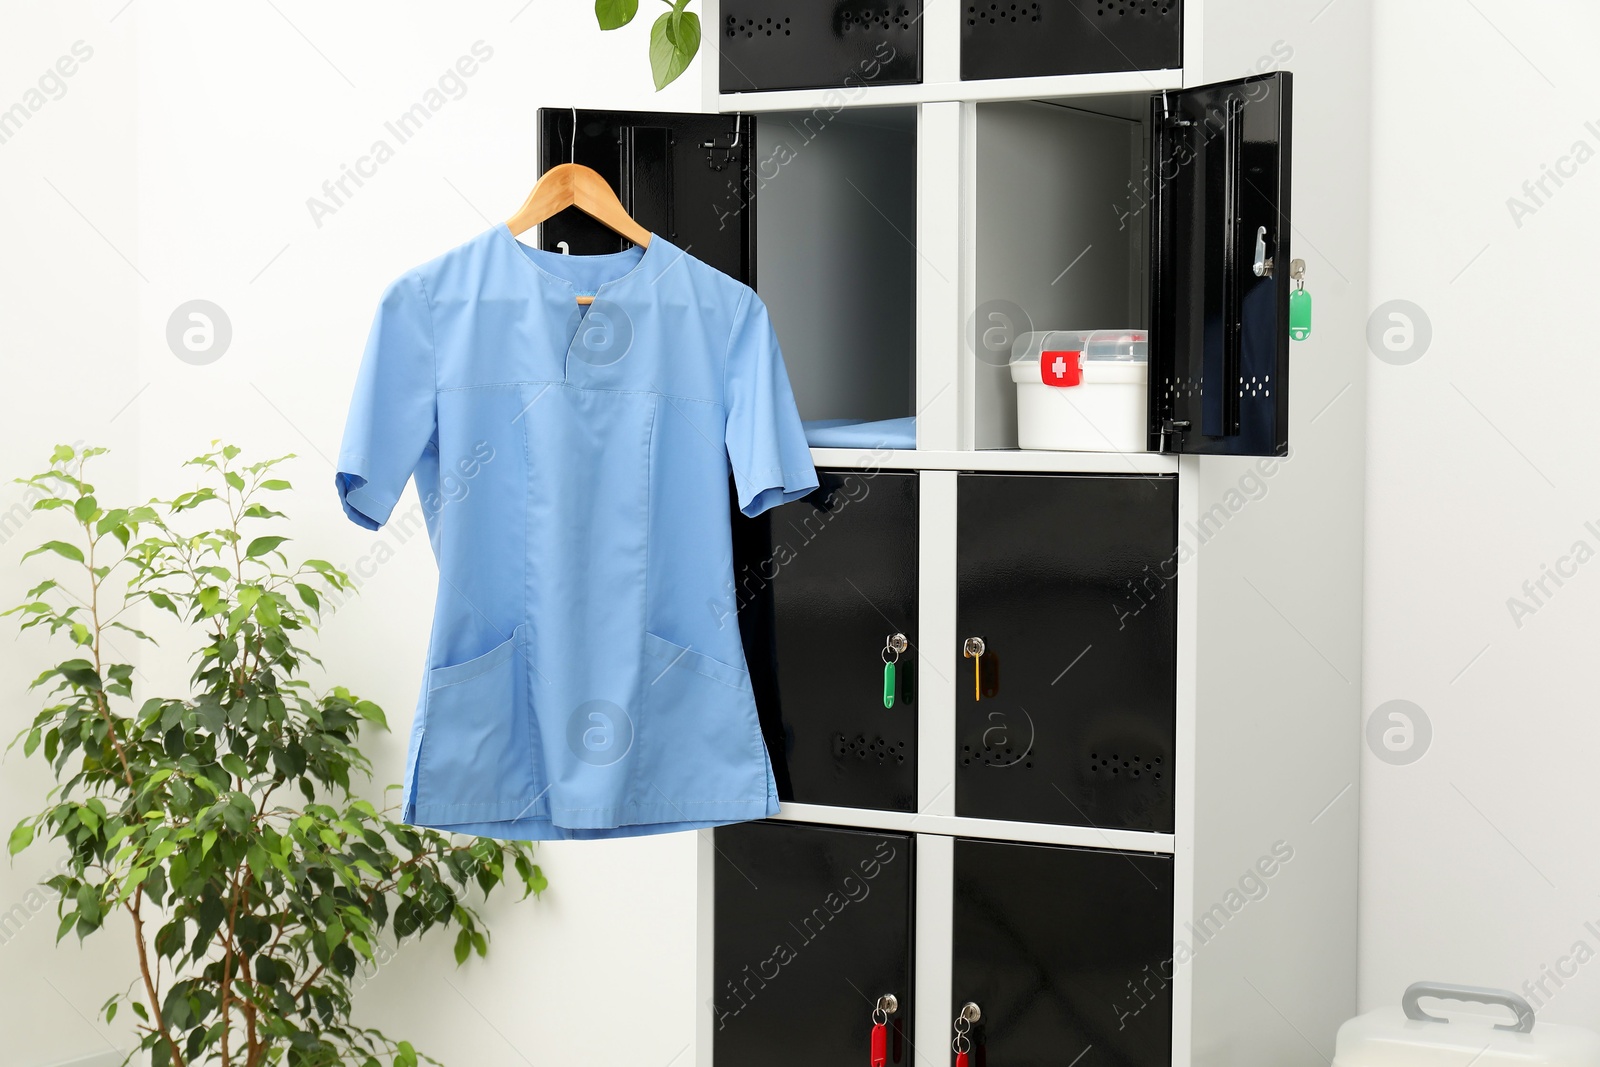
x=574, y=185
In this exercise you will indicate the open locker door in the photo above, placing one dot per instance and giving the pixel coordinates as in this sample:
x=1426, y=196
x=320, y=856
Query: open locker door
x=683, y=176
x=1219, y=334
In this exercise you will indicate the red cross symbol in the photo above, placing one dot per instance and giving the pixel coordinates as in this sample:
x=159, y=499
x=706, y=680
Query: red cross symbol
x=1061, y=368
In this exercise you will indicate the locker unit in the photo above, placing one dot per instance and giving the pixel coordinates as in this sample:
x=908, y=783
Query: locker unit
x=1036, y=38
x=832, y=579
x=809, y=920
x=1068, y=715
x=781, y=44
x=1132, y=803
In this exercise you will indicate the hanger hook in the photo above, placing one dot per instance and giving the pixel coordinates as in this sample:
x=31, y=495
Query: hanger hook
x=727, y=150
x=574, y=158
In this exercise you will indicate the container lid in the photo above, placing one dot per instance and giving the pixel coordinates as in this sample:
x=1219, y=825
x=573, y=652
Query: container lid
x=1115, y=346
x=1406, y=1036
x=1067, y=358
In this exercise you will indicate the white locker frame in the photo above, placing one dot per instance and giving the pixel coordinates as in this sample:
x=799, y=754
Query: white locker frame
x=1269, y=645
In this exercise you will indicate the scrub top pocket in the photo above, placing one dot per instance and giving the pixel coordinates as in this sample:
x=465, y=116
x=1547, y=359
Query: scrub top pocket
x=476, y=759
x=699, y=739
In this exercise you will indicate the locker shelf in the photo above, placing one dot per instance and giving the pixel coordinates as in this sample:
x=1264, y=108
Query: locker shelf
x=997, y=459
x=984, y=829
x=868, y=96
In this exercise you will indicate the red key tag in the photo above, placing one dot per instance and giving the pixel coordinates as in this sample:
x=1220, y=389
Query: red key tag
x=1061, y=368
x=961, y=1059
x=880, y=1045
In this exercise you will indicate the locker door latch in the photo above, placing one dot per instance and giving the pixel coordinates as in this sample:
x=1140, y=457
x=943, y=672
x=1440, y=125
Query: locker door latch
x=1262, y=266
x=713, y=163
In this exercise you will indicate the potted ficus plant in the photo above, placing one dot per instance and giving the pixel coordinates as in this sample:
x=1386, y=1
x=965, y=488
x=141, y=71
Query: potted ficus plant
x=224, y=824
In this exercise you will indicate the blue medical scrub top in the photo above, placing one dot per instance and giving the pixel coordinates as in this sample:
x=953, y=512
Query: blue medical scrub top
x=585, y=674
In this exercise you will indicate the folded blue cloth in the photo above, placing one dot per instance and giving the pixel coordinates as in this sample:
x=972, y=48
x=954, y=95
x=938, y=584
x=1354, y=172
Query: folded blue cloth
x=854, y=433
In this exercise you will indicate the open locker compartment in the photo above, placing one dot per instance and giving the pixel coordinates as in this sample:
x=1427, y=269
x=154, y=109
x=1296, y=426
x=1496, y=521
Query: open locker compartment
x=1167, y=213
x=835, y=263
x=814, y=209
x=1060, y=232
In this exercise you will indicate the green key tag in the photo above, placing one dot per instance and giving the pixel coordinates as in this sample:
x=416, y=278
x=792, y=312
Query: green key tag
x=1299, y=314
x=1299, y=302
x=893, y=645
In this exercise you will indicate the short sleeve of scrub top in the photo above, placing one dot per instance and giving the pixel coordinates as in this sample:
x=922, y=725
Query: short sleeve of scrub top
x=765, y=438
x=574, y=466
x=391, y=416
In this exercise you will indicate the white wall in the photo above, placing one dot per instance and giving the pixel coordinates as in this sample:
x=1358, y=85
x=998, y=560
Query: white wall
x=1478, y=860
x=182, y=155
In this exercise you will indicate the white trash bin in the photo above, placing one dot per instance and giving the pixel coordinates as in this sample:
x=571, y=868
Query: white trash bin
x=1082, y=390
x=1408, y=1036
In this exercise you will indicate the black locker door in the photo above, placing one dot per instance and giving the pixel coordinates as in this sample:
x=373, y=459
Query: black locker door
x=777, y=44
x=1219, y=332
x=822, y=583
x=1038, y=38
x=1066, y=951
x=1068, y=580
x=683, y=176
x=811, y=926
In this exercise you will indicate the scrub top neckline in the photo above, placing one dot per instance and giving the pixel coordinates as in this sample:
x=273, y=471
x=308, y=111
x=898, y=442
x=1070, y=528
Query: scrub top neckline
x=531, y=256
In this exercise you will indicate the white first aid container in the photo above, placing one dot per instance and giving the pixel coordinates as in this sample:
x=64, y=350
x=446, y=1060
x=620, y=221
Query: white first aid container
x=1408, y=1036
x=1082, y=390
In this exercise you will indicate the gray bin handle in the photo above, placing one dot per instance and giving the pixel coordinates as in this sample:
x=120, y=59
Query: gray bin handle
x=1417, y=990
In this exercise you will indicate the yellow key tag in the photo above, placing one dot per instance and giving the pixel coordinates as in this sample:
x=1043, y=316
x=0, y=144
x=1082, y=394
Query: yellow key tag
x=973, y=649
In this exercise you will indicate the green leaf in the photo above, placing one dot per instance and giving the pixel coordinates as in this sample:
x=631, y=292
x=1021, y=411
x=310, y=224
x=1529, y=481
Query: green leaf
x=463, y=947
x=615, y=14
x=275, y=484
x=674, y=40
x=60, y=548
x=262, y=545
x=84, y=508
x=21, y=838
